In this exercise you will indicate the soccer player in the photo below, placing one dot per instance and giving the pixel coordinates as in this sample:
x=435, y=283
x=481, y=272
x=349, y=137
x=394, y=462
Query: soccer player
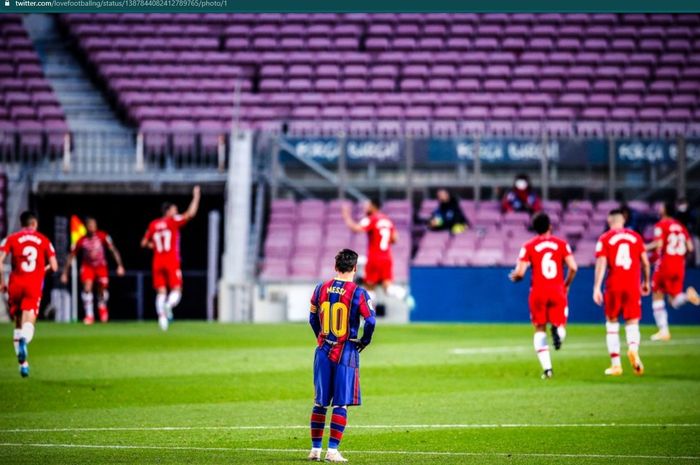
x=91, y=248
x=381, y=233
x=163, y=237
x=671, y=242
x=30, y=251
x=547, y=254
x=336, y=308
x=621, y=252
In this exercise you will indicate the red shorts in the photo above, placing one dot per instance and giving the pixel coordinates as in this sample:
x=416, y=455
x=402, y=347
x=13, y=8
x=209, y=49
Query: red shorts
x=168, y=276
x=668, y=282
x=95, y=273
x=378, y=271
x=548, y=306
x=24, y=296
x=625, y=301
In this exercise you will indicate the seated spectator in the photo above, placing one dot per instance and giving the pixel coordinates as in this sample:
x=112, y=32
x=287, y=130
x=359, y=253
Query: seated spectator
x=521, y=197
x=635, y=220
x=448, y=216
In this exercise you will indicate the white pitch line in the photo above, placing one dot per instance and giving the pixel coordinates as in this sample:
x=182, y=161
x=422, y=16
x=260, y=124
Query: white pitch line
x=387, y=427
x=574, y=346
x=369, y=452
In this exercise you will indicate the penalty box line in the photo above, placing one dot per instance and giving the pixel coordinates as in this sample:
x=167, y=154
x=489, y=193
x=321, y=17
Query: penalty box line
x=374, y=452
x=385, y=427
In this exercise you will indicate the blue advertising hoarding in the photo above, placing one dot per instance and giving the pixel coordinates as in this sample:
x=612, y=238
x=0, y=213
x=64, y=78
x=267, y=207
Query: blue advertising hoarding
x=573, y=152
x=479, y=294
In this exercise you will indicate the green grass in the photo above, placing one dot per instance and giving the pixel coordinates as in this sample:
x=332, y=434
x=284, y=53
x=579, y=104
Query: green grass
x=94, y=392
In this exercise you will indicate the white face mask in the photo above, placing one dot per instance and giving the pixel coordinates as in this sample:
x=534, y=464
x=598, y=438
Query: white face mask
x=521, y=184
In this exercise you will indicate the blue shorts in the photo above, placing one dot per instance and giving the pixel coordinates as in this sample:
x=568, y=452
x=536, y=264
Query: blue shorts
x=337, y=383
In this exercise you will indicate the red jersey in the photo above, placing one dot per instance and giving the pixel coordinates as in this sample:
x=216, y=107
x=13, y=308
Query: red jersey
x=164, y=233
x=623, y=249
x=92, y=249
x=546, y=254
x=30, y=251
x=673, y=237
x=380, y=231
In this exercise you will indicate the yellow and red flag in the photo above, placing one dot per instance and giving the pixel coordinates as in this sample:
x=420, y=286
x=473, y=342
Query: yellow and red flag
x=77, y=230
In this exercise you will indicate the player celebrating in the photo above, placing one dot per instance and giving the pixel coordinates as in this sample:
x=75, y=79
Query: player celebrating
x=547, y=254
x=93, y=267
x=336, y=308
x=381, y=233
x=671, y=242
x=30, y=251
x=163, y=236
x=621, y=252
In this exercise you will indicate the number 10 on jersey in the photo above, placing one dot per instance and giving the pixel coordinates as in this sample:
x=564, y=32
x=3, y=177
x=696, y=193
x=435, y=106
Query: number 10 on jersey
x=334, y=319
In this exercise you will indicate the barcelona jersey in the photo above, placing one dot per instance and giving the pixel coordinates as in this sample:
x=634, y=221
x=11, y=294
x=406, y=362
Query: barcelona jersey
x=336, y=309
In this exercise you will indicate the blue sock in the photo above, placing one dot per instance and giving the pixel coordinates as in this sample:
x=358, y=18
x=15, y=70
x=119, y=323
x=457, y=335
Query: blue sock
x=318, y=423
x=338, y=421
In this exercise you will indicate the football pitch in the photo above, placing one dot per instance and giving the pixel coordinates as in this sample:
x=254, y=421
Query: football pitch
x=209, y=393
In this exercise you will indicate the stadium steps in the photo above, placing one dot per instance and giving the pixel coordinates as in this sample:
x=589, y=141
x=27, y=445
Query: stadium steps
x=86, y=110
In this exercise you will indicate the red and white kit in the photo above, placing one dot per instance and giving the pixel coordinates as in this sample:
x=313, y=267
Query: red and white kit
x=622, y=249
x=669, y=271
x=93, y=266
x=380, y=263
x=548, y=302
x=30, y=251
x=164, y=233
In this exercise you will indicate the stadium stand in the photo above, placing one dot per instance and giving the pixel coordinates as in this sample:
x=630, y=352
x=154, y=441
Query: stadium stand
x=297, y=247
x=493, y=240
x=439, y=74
x=3, y=205
x=31, y=119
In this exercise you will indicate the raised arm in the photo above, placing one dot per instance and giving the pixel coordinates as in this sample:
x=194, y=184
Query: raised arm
x=347, y=217
x=194, y=204
x=601, y=264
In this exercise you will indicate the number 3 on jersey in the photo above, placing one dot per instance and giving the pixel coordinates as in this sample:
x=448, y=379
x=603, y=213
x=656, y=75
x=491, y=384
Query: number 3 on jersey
x=334, y=318
x=30, y=255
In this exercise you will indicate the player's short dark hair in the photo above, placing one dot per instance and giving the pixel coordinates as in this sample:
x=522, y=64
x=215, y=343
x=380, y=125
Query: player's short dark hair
x=541, y=223
x=670, y=208
x=27, y=217
x=346, y=260
x=376, y=201
x=90, y=218
x=165, y=207
x=616, y=211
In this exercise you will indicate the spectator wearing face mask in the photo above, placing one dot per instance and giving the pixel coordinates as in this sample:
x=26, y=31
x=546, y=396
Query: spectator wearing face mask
x=687, y=216
x=448, y=216
x=521, y=197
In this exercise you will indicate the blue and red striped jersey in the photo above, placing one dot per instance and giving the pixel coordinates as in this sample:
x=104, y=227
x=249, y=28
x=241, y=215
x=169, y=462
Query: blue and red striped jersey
x=336, y=308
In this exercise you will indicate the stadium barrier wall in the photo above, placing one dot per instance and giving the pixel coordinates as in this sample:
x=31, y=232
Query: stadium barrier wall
x=492, y=151
x=468, y=294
